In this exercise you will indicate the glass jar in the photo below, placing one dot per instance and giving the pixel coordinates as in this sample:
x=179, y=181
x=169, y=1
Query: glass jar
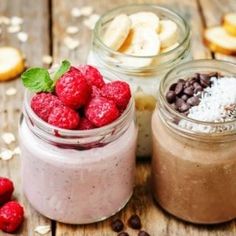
x=143, y=81
x=75, y=176
x=194, y=165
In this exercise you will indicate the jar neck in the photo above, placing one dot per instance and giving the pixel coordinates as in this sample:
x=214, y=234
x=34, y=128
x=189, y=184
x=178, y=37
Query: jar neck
x=116, y=61
x=77, y=139
x=185, y=126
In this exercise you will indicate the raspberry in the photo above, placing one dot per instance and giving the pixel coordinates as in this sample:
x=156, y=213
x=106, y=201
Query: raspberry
x=73, y=89
x=43, y=103
x=96, y=92
x=6, y=190
x=118, y=91
x=101, y=111
x=64, y=117
x=11, y=216
x=92, y=75
x=85, y=124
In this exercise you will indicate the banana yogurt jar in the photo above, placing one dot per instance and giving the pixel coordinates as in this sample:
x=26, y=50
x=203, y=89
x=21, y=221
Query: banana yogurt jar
x=141, y=43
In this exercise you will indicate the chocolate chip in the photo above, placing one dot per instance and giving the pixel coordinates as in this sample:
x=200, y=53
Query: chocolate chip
x=184, y=97
x=179, y=88
x=196, y=84
x=117, y=225
x=172, y=87
x=193, y=101
x=143, y=233
x=187, y=84
x=170, y=96
x=134, y=222
x=188, y=91
x=184, y=107
x=123, y=234
x=204, y=80
x=179, y=102
x=198, y=89
x=173, y=105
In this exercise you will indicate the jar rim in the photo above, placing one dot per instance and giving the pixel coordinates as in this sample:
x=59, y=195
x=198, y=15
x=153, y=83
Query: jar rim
x=195, y=64
x=154, y=6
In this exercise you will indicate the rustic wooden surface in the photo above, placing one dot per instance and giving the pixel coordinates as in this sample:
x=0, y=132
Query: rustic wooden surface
x=46, y=22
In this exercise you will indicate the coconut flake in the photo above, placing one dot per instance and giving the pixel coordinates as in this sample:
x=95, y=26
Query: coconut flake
x=8, y=138
x=11, y=91
x=42, y=229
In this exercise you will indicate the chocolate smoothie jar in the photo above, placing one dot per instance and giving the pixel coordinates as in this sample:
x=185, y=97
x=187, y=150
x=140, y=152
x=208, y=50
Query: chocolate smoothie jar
x=194, y=142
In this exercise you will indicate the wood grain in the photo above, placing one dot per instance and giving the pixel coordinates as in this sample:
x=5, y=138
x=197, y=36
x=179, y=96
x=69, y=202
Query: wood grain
x=35, y=15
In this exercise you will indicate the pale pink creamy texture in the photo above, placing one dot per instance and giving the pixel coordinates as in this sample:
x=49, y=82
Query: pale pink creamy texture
x=77, y=187
x=193, y=180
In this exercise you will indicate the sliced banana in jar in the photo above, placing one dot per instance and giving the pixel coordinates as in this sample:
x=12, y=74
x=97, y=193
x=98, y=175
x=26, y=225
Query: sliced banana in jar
x=117, y=31
x=145, y=20
x=140, y=42
x=168, y=33
x=229, y=23
x=11, y=63
x=219, y=40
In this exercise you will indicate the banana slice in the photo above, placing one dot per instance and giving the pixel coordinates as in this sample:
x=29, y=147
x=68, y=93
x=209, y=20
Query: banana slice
x=145, y=20
x=140, y=42
x=218, y=40
x=117, y=31
x=11, y=63
x=168, y=33
x=229, y=23
x=144, y=101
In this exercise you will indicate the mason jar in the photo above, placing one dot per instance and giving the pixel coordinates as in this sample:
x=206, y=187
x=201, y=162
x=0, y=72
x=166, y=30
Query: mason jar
x=144, y=81
x=194, y=162
x=78, y=176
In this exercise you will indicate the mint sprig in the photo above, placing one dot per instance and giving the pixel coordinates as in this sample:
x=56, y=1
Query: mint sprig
x=38, y=79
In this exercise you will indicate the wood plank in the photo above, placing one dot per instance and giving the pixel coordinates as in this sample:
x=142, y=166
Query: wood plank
x=35, y=15
x=155, y=220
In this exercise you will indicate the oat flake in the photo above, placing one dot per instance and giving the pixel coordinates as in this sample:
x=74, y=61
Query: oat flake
x=86, y=10
x=6, y=154
x=47, y=59
x=22, y=36
x=72, y=29
x=75, y=12
x=8, y=138
x=15, y=20
x=91, y=21
x=17, y=151
x=42, y=229
x=13, y=29
x=11, y=91
x=71, y=43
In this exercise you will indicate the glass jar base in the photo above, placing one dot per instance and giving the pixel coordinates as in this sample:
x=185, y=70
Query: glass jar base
x=82, y=222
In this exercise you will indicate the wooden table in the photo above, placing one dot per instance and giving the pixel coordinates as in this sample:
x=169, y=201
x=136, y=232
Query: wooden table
x=46, y=22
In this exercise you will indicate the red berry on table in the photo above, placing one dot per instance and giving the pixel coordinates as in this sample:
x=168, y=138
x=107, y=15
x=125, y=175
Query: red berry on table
x=85, y=124
x=118, y=91
x=43, y=103
x=6, y=190
x=64, y=117
x=101, y=111
x=92, y=75
x=73, y=89
x=11, y=216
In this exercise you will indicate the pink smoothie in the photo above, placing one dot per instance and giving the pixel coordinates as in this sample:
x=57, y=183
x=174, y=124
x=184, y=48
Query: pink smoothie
x=74, y=186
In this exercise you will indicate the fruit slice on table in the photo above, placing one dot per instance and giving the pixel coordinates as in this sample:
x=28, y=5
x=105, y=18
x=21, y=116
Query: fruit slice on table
x=140, y=42
x=145, y=20
x=168, y=33
x=117, y=31
x=12, y=63
x=144, y=101
x=218, y=40
x=229, y=23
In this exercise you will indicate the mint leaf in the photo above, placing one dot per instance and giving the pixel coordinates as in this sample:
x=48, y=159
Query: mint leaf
x=65, y=66
x=37, y=80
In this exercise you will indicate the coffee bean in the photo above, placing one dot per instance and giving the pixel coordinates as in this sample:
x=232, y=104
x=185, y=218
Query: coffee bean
x=179, y=88
x=123, y=234
x=170, y=96
x=172, y=87
x=193, y=101
x=143, y=233
x=134, y=222
x=117, y=225
x=188, y=91
x=184, y=107
x=184, y=97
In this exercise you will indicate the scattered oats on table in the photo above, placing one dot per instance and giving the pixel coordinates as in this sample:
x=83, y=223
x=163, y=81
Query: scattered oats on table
x=13, y=29
x=71, y=43
x=47, y=59
x=42, y=229
x=11, y=91
x=6, y=154
x=86, y=10
x=91, y=21
x=17, y=151
x=72, y=29
x=8, y=137
x=15, y=20
x=75, y=12
x=22, y=36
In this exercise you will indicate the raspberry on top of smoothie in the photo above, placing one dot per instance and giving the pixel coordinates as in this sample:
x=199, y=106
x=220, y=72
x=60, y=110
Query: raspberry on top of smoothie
x=76, y=98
